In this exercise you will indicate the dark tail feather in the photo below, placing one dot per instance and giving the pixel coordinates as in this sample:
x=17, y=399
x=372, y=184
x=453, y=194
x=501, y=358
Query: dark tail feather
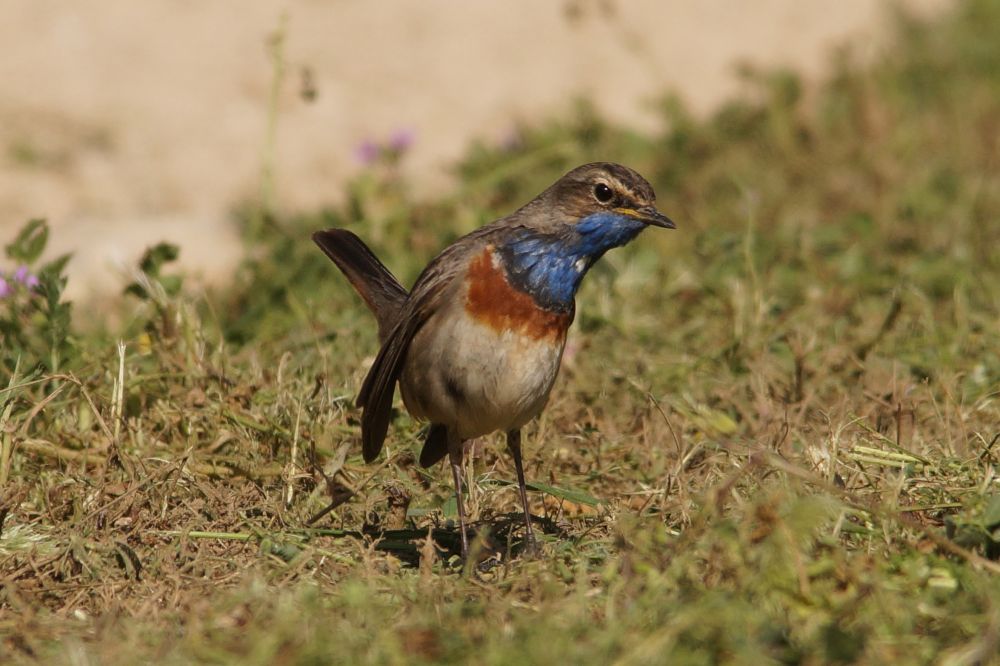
x=435, y=446
x=369, y=276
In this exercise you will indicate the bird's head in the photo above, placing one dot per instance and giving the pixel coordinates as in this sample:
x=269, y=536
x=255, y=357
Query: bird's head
x=603, y=198
x=561, y=233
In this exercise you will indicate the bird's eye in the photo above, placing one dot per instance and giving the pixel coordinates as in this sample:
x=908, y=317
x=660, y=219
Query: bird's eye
x=603, y=193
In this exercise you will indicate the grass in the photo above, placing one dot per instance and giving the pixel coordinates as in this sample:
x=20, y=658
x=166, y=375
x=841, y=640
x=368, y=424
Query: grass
x=775, y=438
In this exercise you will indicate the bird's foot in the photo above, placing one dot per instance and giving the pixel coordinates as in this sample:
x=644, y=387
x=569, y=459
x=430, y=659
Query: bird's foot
x=530, y=548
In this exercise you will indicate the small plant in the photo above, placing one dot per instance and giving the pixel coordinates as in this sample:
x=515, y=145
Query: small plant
x=34, y=318
x=158, y=290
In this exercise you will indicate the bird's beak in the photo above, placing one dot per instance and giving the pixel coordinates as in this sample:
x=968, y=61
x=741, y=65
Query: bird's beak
x=651, y=216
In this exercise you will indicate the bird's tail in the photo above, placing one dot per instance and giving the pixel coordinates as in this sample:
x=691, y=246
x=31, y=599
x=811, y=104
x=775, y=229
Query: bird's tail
x=369, y=276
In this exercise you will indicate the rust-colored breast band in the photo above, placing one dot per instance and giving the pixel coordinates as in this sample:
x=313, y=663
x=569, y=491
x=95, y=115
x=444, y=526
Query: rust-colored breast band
x=494, y=302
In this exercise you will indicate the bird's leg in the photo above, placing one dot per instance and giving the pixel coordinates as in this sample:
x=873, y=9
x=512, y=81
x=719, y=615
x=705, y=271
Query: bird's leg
x=514, y=444
x=455, y=458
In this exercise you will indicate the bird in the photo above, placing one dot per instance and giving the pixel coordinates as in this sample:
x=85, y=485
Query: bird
x=475, y=345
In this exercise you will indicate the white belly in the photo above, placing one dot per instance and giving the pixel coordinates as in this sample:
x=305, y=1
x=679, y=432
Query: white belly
x=475, y=380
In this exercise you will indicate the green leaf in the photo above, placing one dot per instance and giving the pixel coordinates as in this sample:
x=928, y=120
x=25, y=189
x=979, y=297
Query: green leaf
x=569, y=494
x=171, y=284
x=30, y=242
x=450, y=508
x=285, y=551
x=156, y=256
x=712, y=421
x=152, y=262
x=991, y=516
x=55, y=267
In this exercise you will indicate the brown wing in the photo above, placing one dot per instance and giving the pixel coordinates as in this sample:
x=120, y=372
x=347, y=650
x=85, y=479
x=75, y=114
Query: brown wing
x=435, y=284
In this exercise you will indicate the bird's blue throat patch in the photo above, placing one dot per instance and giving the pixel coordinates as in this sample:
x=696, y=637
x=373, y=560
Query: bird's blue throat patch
x=550, y=267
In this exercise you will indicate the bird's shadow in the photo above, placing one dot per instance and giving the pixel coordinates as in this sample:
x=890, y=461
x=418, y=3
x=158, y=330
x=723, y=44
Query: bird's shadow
x=492, y=542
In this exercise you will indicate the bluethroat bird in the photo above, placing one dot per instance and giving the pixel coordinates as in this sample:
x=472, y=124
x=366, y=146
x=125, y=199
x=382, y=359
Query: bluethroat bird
x=475, y=345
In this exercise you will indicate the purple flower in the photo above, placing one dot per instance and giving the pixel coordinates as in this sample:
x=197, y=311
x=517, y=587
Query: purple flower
x=22, y=275
x=367, y=152
x=5, y=288
x=402, y=139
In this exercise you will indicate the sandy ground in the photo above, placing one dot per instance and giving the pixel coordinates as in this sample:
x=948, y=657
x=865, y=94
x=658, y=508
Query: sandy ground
x=125, y=123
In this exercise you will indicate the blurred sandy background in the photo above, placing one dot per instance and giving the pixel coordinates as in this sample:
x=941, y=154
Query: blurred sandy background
x=125, y=123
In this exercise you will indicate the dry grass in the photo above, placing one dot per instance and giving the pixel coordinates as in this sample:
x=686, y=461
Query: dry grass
x=775, y=437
